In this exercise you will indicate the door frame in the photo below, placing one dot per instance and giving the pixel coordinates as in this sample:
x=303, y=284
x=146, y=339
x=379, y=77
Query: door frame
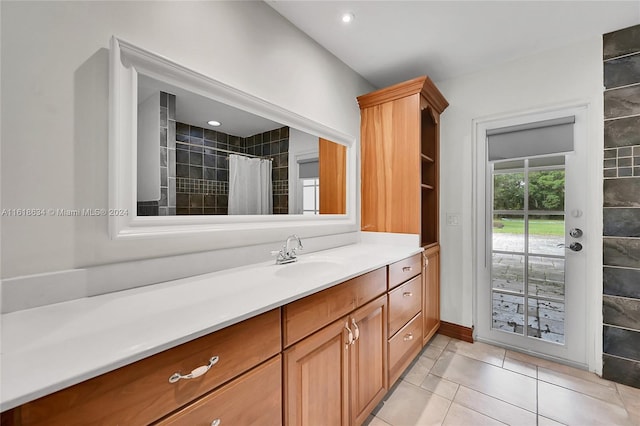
x=592, y=211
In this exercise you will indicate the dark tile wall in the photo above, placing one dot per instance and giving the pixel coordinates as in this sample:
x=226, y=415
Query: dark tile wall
x=202, y=171
x=274, y=145
x=621, y=211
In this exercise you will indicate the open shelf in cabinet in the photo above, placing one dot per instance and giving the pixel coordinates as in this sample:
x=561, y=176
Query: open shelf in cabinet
x=429, y=177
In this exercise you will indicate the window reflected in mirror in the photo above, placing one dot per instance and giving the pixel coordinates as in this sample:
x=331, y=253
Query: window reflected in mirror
x=197, y=156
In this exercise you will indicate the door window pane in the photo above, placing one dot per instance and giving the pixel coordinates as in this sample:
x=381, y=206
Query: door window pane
x=310, y=196
x=508, y=233
x=546, y=190
x=546, y=277
x=508, y=312
x=508, y=191
x=546, y=320
x=507, y=272
x=546, y=234
x=527, y=236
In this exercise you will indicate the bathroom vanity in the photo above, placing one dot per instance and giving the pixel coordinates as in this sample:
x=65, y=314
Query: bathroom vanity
x=318, y=341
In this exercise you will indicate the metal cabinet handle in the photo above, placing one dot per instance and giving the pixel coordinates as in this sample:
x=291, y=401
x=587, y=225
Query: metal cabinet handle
x=408, y=337
x=407, y=294
x=196, y=372
x=349, y=334
x=357, y=329
x=406, y=269
x=216, y=422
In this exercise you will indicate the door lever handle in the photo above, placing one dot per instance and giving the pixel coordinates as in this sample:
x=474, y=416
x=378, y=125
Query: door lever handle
x=575, y=246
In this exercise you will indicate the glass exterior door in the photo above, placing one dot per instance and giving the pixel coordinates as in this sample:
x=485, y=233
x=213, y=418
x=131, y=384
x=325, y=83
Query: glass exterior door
x=527, y=248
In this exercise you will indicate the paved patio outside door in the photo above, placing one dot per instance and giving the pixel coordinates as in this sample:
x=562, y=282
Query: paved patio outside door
x=546, y=279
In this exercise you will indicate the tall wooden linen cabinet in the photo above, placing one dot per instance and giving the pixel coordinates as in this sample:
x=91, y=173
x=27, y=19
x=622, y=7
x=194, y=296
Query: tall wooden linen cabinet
x=399, y=130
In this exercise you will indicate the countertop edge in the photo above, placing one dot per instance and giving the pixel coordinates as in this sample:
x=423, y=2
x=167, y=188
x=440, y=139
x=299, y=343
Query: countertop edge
x=38, y=391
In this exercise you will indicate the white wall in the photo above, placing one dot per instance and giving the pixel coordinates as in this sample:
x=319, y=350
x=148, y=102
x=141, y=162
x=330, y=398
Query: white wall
x=54, y=107
x=567, y=74
x=300, y=143
x=149, y=148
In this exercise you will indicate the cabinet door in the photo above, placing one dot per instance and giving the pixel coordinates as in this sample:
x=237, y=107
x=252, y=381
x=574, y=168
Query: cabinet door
x=368, y=358
x=316, y=378
x=431, y=292
x=390, y=171
x=333, y=177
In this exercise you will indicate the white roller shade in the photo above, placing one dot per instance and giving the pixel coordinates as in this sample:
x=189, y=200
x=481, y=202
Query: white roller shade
x=532, y=139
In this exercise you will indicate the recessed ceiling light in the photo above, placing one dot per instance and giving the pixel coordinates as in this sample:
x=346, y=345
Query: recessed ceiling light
x=348, y=17
x=213, y=123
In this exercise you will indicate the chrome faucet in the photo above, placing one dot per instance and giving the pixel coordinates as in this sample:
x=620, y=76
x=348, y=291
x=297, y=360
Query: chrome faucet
x=287, y=254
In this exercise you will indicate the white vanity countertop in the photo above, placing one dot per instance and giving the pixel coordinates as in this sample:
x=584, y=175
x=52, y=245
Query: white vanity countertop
x=49, y=348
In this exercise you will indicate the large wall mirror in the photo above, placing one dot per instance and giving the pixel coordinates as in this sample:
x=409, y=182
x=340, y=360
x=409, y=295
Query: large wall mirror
x=190, y=154
x=199, y=156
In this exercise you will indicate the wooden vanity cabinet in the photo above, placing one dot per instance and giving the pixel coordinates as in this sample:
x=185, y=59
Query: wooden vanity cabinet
x=400, y=157
x=255, y=398
x=326, y=359
x=140, y=393
x=431, y=289
x=368, y=359
x=316, y=378
x=405, y=314
x=336, y=374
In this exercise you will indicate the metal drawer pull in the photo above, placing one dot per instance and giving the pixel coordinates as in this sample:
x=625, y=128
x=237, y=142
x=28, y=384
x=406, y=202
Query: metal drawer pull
x=349, y=335
x=216, y=422
x=407, y=294
x=406, y=268
x=408, y=337
x=357, y=330
x=195, y=373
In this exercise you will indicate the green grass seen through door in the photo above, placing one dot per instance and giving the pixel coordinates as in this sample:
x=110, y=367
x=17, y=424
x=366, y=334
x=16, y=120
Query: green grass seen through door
x=536, y=226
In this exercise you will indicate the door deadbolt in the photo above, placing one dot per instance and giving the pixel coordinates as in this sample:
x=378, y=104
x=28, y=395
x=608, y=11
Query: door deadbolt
x=575, y=246
x=575, y=232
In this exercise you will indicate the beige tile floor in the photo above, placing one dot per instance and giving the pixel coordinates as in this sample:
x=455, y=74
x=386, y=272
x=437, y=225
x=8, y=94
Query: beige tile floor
x=461, y=384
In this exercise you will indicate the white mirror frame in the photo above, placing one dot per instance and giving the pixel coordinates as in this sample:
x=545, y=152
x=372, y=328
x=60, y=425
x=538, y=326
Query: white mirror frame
x=126, y=61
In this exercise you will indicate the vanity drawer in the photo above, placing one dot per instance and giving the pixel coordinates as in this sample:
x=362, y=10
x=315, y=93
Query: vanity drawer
x=255, y=398
x=304, y=316
x=141, y=393
x=405, y=302
x=404, y=346
x=404, y=269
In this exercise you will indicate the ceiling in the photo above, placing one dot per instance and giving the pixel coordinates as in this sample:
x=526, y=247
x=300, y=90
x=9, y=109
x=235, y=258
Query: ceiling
x=197, y=110
x=392, y=41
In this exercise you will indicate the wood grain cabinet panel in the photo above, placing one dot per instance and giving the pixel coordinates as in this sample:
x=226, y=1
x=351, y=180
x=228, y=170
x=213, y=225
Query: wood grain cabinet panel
x=255, y=398
x=305, y=316
x=431, y=289
x=140, y=393
x=404, y=346
x=404, y=303
x=404, y=269
x=390, y=156
x=337, y=375
x=333, y=177
x=400, y=175
x=368, y=359
x=316, y=378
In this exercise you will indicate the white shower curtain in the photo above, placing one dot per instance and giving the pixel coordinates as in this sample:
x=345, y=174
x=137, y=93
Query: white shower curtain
x=250, y=189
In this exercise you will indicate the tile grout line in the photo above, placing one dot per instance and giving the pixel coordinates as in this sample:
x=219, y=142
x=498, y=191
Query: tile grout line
x=492, y=396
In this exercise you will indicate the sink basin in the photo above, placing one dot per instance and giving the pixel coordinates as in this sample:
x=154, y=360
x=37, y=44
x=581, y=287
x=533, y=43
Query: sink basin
x=307, y=267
